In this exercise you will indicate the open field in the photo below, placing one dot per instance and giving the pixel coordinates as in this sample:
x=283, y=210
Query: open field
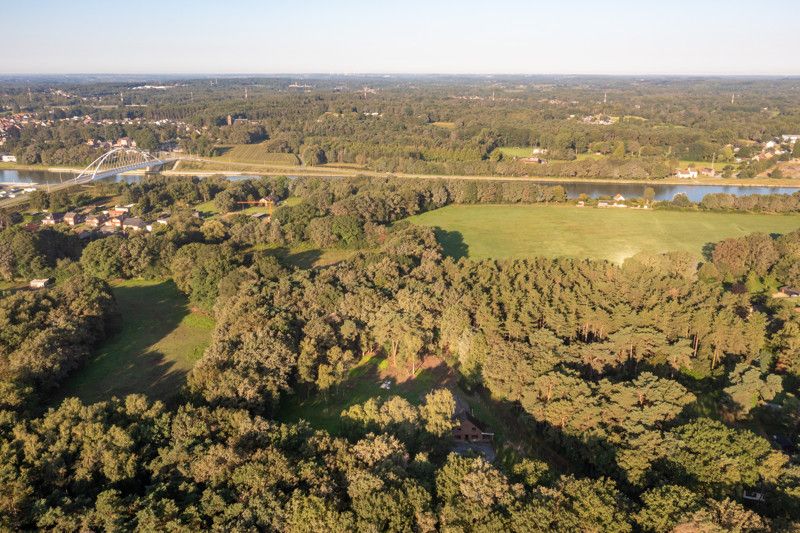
x=506, y=231
x=323, y=410
x=254, y=153
x=307, y=255
x=516, y=151
x=717, y=166
x=159, y=342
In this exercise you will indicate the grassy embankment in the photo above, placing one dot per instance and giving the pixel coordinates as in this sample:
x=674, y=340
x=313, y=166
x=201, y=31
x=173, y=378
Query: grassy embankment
x=526, y=151
x=160, y=340
x=253, y=153
x=509, y=231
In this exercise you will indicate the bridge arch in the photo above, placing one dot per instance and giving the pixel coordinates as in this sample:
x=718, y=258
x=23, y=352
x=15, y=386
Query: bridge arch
x=117, y=161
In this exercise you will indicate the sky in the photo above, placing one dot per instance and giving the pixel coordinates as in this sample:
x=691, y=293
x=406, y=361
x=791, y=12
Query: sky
x=627, y=37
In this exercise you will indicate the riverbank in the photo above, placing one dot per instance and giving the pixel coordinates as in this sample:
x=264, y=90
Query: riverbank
x=210, y=167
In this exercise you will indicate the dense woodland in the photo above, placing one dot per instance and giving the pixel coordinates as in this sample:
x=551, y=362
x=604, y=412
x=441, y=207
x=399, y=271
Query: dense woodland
x=435, y=125
x=659, y=383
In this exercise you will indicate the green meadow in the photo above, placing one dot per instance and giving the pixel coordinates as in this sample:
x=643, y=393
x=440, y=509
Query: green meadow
x=507, y=231
x=159, y=341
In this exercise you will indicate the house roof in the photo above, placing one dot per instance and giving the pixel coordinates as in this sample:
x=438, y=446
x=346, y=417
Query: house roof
x=137, y=222
x=464, y=415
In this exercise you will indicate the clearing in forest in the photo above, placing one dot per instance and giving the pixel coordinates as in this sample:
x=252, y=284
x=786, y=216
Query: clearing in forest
x=160, y=340
x=514, y=231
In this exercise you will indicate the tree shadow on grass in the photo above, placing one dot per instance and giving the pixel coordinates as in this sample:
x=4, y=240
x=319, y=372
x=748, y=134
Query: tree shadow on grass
x=126, y=363
x=303, y=259
x=452, y=243
x=708, y=250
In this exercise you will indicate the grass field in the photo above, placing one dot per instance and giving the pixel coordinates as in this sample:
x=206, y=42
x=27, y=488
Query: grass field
x=516, y=151
x=307, y=255
x=322, y=410
x=506, y=231
x=160, y=340
x=717, y=166
x=254, y=153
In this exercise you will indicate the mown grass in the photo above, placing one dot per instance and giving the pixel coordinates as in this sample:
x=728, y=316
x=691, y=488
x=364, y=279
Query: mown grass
x=254, y=153
x=516, y=151
x=717, y=166
x=323, y=409
x=507, y=231
x=160, y=340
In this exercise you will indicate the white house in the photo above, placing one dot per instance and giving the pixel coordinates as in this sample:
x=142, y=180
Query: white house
x=791, y=139
x=689, y=173
x=6, y=158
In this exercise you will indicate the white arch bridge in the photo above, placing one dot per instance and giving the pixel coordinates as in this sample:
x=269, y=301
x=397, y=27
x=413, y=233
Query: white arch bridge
x=117, y=161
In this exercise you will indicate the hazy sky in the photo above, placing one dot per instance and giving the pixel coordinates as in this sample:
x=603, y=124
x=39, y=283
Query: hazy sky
x=411, y=36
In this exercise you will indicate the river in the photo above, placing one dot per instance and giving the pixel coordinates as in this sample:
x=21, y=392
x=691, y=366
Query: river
x=574, y=188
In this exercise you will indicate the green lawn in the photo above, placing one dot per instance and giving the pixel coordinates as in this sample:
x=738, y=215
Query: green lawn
x=307, y=255
x=504, y=231
x=207, y=209
x=718, y=165
x=323, y=410
x=160, y=340
x=516, y=151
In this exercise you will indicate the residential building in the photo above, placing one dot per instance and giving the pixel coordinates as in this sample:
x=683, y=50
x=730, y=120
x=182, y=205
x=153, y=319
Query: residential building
x=689, y=173
x=7, y=158
x=52, y=219
x=791, y=292
x=135, y=224
x=72, y=218
x=468, y=429
x=95, y=221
